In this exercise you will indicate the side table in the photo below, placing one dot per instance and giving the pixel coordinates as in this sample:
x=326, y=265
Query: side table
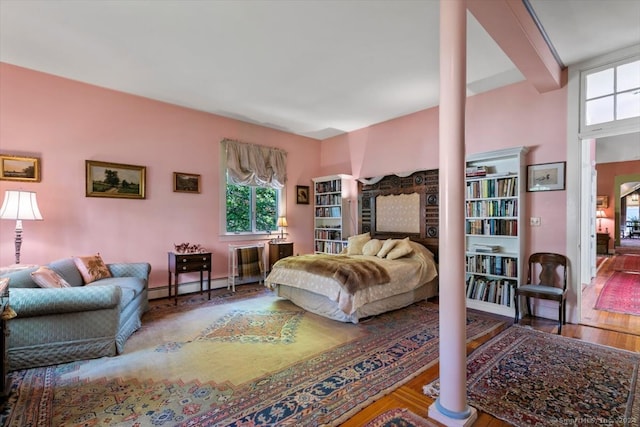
x=189, y=263
x=279, y=250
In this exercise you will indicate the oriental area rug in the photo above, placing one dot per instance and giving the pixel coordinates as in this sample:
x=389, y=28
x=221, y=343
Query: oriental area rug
x=531, y=378
x=628, y=262
x=400, y=417
x=243, y=359
x=620, y=293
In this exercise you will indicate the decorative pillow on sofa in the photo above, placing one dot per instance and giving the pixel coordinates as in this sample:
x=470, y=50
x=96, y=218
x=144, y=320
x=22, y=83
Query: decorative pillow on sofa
x=372, y=247
x=47, y=278
x=401, y=248
x=91, y=268
x=355, y=243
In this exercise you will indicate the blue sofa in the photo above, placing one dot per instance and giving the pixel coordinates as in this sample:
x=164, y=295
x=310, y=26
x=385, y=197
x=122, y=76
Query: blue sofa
x=78, y=322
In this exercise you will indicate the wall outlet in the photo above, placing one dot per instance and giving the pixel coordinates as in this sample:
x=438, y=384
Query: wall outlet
x=535, y=221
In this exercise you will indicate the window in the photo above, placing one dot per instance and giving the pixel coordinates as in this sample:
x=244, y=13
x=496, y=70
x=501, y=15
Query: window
x=611, y=96
x=251, y=209
x=254, y=177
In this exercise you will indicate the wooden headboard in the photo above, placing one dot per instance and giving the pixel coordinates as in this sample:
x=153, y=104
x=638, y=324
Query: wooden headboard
x=421, y=185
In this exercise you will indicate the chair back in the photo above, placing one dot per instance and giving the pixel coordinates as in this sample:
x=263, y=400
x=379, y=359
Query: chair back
x=549, y=269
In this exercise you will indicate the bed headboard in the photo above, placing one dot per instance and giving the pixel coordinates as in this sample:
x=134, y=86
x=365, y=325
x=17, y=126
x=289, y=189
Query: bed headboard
x=396, y=207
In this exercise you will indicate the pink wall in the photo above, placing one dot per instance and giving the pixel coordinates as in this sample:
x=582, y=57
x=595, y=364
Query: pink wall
x=512, y=116
x=64, y=123
x=607, y=173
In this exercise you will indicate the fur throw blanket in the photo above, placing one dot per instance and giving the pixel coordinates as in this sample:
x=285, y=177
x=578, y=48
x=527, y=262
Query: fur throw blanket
x=353, y=273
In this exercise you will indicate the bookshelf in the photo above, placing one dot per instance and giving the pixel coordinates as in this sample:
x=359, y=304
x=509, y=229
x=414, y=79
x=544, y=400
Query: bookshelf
x=332, y=210
x=494, y=234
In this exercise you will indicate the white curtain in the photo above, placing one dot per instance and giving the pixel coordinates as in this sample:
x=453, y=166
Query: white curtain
x=256, y=165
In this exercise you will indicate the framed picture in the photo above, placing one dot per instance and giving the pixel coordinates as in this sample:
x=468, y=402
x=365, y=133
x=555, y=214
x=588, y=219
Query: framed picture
x=186, y=182
x=302, y=194
x=115, y=180
x=17, y=168
x=546, y=177
x=602, y=202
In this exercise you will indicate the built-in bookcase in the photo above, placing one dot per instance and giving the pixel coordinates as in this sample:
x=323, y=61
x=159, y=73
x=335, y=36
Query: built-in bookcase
x=495, y=188
x=332, y=210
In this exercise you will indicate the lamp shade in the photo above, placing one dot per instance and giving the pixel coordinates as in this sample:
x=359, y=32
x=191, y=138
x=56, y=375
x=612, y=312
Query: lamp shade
x=20, y=205
x=600, y=214
x=282, y=222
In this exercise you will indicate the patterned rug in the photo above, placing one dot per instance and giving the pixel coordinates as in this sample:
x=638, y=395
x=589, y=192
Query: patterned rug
x=237, y=360
x=621, y=294
x=627, y=263
x=532, y=378
x=399, y=418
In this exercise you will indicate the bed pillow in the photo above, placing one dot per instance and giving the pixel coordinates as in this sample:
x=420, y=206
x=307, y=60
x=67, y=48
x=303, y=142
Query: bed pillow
x=45, y=277
x=386, y=248
x=372, y=247
x=401, y=248
x=91, y=268
x=355, y=243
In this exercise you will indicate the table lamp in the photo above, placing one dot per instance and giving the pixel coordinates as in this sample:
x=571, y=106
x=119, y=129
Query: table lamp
x=600, y=214
x=20, y=205
x=282, y=223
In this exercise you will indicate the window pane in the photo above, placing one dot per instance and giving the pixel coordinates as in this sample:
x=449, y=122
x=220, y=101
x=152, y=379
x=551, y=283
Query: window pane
x=599, y=84
x=627, y=105
x=238, y=208
x=266, y=209
x=599, y=110
x=628, y=76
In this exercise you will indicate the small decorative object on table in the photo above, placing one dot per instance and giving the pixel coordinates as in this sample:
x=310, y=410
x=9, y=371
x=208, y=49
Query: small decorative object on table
x=188, y=248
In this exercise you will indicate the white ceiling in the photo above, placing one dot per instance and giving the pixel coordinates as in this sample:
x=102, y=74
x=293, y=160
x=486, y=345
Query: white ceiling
x=314, y=68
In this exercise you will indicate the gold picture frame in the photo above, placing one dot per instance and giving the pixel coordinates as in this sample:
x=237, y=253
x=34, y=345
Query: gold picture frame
x=302, y=194
x=19, y=168
x=186, y=182
x=602, y=202
x=115, y=180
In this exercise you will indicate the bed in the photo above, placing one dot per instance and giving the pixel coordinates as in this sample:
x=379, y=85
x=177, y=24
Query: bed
x=398, y=213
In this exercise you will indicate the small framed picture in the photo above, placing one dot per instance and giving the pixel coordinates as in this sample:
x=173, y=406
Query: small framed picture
x=186, y=182
x=602, y=202
x=302, y=194
x=546, y=177
x=115, y=180
x=17, y=168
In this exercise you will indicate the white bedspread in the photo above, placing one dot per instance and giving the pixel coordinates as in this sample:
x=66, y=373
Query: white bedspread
x=407, y=273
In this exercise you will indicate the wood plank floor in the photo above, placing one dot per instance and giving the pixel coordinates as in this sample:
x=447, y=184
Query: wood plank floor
x=610, y=329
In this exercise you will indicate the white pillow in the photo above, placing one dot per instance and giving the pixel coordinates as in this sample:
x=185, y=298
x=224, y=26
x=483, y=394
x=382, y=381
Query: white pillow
x=386, y=247
x=372, y=247
x=402, y=248
x=355, y=243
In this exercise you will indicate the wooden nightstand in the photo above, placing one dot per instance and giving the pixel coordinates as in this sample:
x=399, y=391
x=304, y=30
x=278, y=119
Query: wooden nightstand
x=189, y=263
x=279, y=250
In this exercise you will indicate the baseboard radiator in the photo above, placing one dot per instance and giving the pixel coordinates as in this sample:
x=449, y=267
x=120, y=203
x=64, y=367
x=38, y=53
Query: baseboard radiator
x=246, y=264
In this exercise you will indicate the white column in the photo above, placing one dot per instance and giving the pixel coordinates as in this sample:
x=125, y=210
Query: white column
x=451, y=407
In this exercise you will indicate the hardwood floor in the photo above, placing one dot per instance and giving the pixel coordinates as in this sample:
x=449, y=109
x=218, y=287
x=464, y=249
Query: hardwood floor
x=606, y=328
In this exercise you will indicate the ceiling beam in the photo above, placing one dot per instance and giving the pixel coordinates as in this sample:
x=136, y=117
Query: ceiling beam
x=511, y=26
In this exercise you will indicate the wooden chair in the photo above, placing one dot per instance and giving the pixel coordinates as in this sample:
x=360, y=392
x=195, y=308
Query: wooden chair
x=550, y=284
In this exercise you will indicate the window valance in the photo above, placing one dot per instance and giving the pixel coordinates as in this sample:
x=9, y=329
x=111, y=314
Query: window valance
x=258, y=165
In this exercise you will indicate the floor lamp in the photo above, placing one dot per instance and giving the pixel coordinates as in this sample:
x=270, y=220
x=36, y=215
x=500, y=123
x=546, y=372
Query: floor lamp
x=20, y=205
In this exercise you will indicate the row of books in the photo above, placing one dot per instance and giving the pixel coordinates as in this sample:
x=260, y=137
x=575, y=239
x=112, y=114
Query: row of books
x=328, y=212
x=502, y=187
x=494, y=265
x=492, y=227
x=334, y=185
x=328, y=234
x=508, y=207
x=328, y=199
x=329, y=247
x=494, y=291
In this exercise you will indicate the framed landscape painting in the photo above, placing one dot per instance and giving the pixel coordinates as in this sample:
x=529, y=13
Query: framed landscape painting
x=186, y=182
x=17, y=168
x=117, y=180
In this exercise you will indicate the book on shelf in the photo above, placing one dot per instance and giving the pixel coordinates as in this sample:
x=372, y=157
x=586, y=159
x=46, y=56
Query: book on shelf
x=474, y=171
x=485, y=248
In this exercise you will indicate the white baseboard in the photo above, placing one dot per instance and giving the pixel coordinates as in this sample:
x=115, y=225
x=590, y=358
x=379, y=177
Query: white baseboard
x=185, y=288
